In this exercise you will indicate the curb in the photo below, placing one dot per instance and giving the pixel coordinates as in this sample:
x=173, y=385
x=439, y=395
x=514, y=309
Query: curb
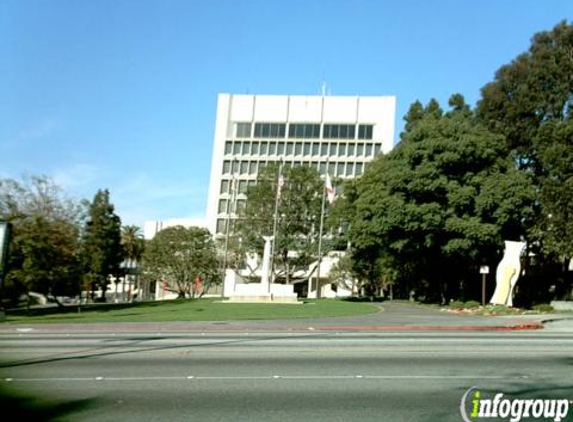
x=46, y=329
x=519, y=327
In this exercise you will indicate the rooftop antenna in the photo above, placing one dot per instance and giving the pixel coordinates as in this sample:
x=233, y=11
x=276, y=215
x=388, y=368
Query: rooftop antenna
x=323, y=88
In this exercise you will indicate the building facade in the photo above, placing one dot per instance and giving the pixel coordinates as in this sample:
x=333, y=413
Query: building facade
x=334, y=134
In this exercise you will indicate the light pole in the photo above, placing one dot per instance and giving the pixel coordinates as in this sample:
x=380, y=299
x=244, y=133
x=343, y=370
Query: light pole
x=484, y=270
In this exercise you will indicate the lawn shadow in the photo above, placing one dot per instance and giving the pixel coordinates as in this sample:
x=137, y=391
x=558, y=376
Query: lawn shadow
x=23, y=407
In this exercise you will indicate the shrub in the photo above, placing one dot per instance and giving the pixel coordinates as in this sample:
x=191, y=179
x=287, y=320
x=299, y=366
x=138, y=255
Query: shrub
x=472, y=304
x=543, y=307
x=456, y=304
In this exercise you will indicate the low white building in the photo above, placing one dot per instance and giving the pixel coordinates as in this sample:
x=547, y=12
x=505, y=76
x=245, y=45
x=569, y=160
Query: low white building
x=151, y=228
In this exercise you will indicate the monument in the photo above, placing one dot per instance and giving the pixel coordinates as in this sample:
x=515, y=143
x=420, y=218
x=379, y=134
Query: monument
x=507, y=273
x=265, y=291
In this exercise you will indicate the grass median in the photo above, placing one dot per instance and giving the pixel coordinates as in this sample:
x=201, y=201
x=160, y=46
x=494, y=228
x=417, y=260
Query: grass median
x=193, y=310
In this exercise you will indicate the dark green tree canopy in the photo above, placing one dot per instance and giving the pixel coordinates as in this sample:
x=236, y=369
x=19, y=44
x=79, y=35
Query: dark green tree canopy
x=102, y=251
x=178, y=255
x=533, y=89
x=298, y=221
x=45, y=239
x=445, y=198
x=531, y=103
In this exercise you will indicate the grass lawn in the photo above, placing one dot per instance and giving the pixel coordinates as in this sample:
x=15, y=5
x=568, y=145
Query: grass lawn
x=196, y=310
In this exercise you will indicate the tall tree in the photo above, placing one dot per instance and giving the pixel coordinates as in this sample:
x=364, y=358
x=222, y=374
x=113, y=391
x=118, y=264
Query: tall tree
x=132, y=242
x=440, y=203
x=298, y=217
x=530, y=101
x=133, y=245
x=43, y=255
x=102, y=251
x=177, y=255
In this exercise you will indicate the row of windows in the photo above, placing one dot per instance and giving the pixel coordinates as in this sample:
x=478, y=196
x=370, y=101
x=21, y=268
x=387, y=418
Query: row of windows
x=251, y=168
x=302, y=131
x=342, y=149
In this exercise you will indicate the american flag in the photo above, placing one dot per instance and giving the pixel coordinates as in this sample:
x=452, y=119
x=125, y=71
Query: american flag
x=330, y=190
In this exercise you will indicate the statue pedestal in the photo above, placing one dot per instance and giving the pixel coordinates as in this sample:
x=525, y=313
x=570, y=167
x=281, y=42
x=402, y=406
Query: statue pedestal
x=258, y=293
x=263, y=292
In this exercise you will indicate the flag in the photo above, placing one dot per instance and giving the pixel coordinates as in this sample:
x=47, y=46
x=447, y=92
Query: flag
x=281, y=183
x=330, y=190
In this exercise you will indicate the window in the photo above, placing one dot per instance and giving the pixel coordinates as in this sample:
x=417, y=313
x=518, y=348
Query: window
x=349, y=169
x=242, y=186
x=289, y=148
x=341, y=150
x=350, y=152
x=270, y=130
x=322, y=169
x=243, y=130
x=332, y=150
x=253, y=167
x=306, y=149
x=377, y=149
x=365, y=131
x=359, y=167
x=244, y=167
x=368, y=150
x=324, y=150
x=281, y=148
x=339, y=131
x=340, y=169
x=359, y=150
x=298, y=148
x=255, y=148
x=224, y=186
x=223, y=206
x=315, y=149
x=304, y=130
x=241, y=204
x=235, y=167
x=226, y=167
x=246, y=148
x=228, y=147
x=331, y=168
x=263, y=149
x=272, y=148
x=221, y=225
x=237, y=148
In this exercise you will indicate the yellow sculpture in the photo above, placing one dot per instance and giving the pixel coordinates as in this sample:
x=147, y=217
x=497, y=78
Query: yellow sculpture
x=507, y=273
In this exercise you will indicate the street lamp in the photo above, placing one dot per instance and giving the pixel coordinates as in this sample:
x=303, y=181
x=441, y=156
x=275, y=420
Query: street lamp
x=484, y=271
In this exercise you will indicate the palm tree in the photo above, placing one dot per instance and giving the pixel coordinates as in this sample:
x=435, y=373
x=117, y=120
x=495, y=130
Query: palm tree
x=133, y=244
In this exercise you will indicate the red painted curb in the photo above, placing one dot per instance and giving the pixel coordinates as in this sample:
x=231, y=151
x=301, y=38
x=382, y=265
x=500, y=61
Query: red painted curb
x=530, y=326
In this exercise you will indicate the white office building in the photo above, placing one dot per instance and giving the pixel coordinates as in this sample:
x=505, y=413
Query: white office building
x=330, y=133
x=337, y=134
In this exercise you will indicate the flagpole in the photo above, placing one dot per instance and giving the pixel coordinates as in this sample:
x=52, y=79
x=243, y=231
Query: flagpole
x=277, y=198
x=320, y=235
x=230, y=201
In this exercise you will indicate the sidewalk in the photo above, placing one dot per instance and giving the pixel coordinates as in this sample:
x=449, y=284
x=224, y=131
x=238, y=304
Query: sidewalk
x=393, y=317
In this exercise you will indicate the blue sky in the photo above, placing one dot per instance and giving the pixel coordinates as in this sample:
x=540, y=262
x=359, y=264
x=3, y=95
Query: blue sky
x=121, y=94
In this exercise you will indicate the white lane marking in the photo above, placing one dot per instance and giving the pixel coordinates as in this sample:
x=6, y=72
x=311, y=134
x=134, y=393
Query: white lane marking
x=271, y=377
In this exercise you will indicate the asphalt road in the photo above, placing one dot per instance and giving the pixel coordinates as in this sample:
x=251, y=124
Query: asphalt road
x=275, y=376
